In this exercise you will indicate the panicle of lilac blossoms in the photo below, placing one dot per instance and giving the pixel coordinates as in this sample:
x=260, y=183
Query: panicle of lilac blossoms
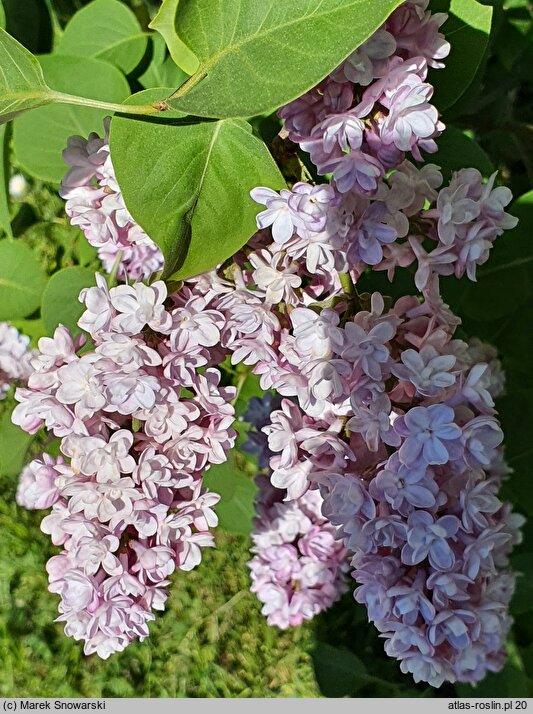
x=392, y=419
x=139, y=425
x=379, y=409
x=360, y=124
x=15, y=357
x=363, y=118
x=298, y=567
x=94, y=202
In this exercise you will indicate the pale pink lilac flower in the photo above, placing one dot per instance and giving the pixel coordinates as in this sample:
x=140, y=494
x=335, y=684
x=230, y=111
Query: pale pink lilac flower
x=15, y=356
x=298, y=568
x=95, y=204
x=129, y=507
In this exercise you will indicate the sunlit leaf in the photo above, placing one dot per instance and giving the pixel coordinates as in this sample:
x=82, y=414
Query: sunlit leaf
x=188, y=185
x=162, y=70
x=22, y=84
x=467, y=29
x=257, y=55
x=60, y=304
x=107, y=30
x=86, y=76
x=165, y=23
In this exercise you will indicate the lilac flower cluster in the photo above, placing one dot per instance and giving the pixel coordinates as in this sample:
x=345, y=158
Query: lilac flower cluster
x=399, y=434
x=393, y=420
x=139, y=425
x=417, y=505
x=359, y=122
x=14, y=357
x=385, y=415
x=358, y=125
x=94, y=203
x=298, y=569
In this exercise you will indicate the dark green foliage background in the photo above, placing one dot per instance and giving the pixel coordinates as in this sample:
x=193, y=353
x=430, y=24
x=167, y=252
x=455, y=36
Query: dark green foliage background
x=212, y=640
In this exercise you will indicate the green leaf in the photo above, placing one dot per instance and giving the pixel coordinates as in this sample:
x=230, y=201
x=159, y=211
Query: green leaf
x=14, y=445
x=457, y=151
x=60, y=304
x=151, y=77
x=339, y=673
x=468, y=29
x=256, y=55
x=22, y=84
x=90, y=77
x=188, y=186
x=2, y=17
x=237, y=491
x=162, y=71
x=107, y=30
x=22, y=280
x=5, y=212
x=165, y=23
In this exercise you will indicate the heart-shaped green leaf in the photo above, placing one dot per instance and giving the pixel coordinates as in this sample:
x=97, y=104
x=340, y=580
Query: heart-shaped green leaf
x=60, y=304
x=187, y=184
x=162, y=70
x=90, y=77
x=237, y=491
x=256, y=55
x=14, y=444
x=107, y=30
x=22, y=280
x=468, y=29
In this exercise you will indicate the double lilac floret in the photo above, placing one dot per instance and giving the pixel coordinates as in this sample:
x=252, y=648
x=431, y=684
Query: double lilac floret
x=128, y=502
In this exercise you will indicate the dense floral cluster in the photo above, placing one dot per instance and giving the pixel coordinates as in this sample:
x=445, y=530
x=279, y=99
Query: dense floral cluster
x=393, y=420
x=358, y=124
x=139, y=425
x=298, y=568
x=95, y=204
x=14, y=357
x=385, y=417
x=387, y=414
x=410, y=475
